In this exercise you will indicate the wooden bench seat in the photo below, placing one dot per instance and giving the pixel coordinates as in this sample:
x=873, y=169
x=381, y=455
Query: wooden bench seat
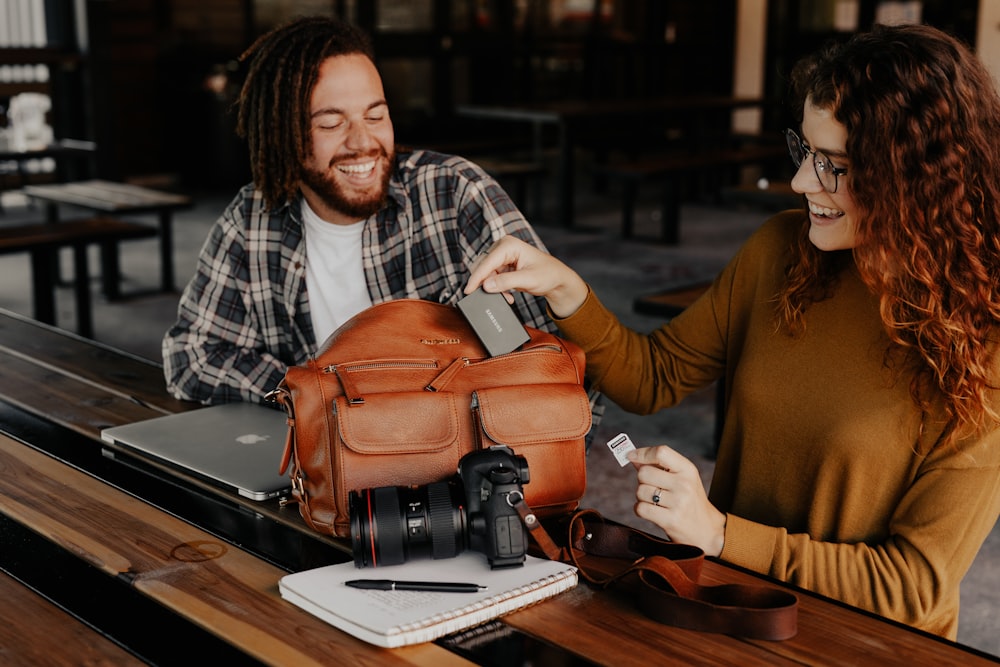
x=50, y=635
x=43, y=240
x=670, y=170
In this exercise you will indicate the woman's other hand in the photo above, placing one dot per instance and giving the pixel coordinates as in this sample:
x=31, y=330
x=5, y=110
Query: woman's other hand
x=670, y=494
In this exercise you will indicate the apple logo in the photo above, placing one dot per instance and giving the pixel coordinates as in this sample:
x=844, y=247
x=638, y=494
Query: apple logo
x=251, y=439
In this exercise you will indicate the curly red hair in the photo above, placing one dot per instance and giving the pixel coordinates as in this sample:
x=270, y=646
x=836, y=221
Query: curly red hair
x=923, y=120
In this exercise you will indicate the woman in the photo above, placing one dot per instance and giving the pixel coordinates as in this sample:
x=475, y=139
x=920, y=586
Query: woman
x=858, y=341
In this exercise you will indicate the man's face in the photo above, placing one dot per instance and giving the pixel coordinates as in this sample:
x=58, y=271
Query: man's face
x=346, y=177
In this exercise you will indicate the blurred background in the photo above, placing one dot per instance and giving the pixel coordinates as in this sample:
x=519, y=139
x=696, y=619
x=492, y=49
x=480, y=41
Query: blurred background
x=151, y=82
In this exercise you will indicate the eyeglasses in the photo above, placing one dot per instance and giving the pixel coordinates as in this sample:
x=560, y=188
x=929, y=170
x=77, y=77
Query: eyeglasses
x=825, y=171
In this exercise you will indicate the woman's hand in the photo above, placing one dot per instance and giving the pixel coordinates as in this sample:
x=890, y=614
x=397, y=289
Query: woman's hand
x=512, y=264
x=671, y=494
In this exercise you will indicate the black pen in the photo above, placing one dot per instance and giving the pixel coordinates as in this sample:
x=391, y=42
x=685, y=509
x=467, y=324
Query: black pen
x=435, y=586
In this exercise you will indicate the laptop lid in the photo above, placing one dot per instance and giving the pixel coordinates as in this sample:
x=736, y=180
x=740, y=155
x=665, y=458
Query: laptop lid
x=236, y=446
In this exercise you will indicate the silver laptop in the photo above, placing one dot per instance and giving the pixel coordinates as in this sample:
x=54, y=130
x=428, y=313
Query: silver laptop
x=236, y=446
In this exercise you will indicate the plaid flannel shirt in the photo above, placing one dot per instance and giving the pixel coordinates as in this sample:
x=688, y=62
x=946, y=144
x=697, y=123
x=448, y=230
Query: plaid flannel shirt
x=244, y=317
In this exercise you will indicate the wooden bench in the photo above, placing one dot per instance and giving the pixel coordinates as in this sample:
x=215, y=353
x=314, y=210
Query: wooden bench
x=50, y=635
x=43, y=240
x=669, y=304
x=671, y=170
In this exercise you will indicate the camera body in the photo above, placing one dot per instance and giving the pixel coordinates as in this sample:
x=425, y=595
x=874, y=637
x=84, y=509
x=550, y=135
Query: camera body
x=493, y=481
x=474, y=510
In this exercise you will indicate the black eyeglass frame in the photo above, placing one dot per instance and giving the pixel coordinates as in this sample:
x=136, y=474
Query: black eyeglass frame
x=805, y=150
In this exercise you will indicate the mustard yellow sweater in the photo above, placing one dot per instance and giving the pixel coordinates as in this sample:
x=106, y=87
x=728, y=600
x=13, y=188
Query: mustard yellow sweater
x=820, y=469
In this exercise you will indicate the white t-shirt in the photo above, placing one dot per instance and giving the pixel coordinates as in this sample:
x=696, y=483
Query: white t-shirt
x=335, y=279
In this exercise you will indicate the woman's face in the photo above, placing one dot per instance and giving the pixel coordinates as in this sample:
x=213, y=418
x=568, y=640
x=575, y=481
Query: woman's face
x=832, y=215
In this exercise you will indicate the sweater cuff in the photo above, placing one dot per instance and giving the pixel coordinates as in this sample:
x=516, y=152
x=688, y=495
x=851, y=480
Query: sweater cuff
x=749, y=544
x=588, y=324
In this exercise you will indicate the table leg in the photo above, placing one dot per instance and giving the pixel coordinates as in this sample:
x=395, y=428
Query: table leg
x=52, y=217
x=51, y=212
x=81, y=289
x=670, y=210
x=110, y=271
x=43, y=270
x=166, y=252
x=630, y=191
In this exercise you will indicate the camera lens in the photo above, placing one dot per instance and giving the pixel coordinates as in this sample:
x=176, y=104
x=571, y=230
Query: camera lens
x=392, y=524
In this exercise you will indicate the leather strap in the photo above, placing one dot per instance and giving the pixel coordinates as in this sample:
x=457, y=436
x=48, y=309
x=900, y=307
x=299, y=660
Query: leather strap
x=665, y=576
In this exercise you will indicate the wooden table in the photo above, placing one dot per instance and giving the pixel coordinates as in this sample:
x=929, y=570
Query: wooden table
x=189, y=570
x=118, y=199
x=569, y=117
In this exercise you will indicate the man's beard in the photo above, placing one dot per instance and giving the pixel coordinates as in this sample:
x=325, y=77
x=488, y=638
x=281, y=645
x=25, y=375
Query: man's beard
x=333, y=195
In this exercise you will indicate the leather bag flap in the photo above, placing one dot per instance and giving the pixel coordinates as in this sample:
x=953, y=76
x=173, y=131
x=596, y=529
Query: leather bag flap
x=526, y=414
x=399, y=423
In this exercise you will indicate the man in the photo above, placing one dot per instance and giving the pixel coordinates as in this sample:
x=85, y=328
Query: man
x=334, y=222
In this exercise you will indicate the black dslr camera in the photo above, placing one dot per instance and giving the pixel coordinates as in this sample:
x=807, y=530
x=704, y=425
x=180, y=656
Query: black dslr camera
x=474, y=510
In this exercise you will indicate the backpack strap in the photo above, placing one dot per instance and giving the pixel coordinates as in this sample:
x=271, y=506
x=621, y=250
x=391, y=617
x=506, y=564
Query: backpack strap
x=664, y=578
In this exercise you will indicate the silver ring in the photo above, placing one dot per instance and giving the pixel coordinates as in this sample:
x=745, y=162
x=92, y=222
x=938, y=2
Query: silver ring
x=656, y=497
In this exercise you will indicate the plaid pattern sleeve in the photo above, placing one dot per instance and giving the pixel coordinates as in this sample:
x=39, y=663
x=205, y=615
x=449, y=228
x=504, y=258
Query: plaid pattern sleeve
x=236, y=330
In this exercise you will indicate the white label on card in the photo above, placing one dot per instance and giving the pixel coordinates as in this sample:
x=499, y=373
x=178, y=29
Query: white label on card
x=620, y=446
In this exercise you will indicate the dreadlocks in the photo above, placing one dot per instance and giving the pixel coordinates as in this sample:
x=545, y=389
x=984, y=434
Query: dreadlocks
x=273, y=106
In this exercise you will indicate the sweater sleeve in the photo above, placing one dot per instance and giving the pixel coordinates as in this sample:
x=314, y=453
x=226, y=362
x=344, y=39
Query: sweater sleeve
x=644, y=373
x=912, y=574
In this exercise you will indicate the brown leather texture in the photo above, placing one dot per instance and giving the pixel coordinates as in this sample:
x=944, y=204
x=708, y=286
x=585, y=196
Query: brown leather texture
x=398, y=394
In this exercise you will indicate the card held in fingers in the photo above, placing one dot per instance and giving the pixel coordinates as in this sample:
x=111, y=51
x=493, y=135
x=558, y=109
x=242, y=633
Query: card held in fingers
x=494, y=321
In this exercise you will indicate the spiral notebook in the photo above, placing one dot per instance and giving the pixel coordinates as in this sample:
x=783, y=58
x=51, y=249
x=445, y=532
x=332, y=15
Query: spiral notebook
x=400, y=618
